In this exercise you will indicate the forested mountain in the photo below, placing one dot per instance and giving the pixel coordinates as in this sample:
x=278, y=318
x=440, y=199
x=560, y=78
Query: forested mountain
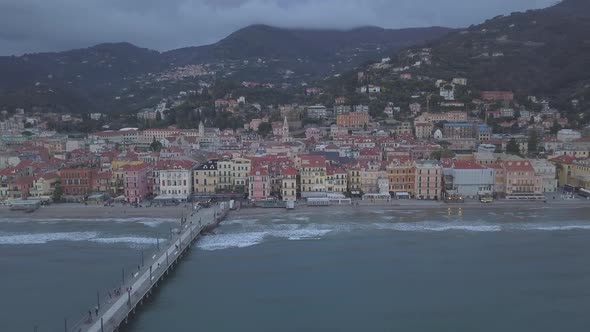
x=120, y=76
x=544, y=53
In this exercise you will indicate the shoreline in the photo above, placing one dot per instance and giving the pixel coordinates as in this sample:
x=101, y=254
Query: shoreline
x=79, y=211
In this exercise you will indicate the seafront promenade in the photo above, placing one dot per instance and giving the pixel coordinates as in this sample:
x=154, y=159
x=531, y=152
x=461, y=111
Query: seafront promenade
x=125, y=300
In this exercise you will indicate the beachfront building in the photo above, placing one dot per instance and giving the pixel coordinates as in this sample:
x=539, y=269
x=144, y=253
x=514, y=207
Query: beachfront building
x=205, y=177
x=354, y=179
x=313, y=173
x=76, y=183
x=224, y=172
x=241, y=168
x=176, y=180
x=259, y=184
x=470, y=179
x=44, y=186
x=371, y=172
x=428, y=180
x=581, y=173
x=402, y=177
x=336, y=180
x=521, y=180
x=289, y=184
x=135, y=182
x=548, y=173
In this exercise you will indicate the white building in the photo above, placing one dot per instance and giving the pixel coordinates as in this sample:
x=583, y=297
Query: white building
x=548, y=173
x=568, y=135
x=317, y=112
x=447, y=91
x=361, y=108
x=371, y=89
x=470, y=179
x=95, y=116
x=176, y=182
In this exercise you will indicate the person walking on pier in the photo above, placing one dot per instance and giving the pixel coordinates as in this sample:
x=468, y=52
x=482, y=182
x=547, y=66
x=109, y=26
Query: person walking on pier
x=96, y=311
x=89, y=315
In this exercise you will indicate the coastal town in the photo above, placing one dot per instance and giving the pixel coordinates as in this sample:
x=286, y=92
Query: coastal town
x=440, y=150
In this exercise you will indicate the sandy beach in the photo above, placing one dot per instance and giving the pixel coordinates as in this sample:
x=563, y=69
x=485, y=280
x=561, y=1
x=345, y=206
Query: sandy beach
x=79, y=211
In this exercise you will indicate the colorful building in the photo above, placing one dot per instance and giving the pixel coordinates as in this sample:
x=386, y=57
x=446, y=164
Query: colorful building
x=259, y=184
x=135, y=182
x=428, y=180
x=289, y=184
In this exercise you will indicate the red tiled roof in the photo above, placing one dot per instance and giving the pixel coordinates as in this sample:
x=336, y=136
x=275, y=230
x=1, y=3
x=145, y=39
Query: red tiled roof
x=563, y=159
x=461, y=164
x=518, y=166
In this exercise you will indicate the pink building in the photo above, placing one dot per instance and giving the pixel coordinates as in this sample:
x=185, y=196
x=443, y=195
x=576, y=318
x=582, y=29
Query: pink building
x=259, y=184
x=135, y=182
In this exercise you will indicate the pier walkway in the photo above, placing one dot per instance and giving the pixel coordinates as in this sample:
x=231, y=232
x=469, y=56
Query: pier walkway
x=116, y=310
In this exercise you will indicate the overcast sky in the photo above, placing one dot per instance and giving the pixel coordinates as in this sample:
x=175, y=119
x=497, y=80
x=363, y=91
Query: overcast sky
x=51, y=25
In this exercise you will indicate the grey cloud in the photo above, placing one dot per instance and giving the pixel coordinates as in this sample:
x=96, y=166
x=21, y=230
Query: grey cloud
x=42, y=25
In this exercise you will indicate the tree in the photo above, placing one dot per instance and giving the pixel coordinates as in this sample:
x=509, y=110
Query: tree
x=533, y=142
x=156, y=145
x=264, y=129
x=440, y=154
x=555, y=128
x=57, y=192
x=158, y=117
x=512, y=147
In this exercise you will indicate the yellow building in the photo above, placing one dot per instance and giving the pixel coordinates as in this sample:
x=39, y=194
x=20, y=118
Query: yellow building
x=336, y=180
x=206, y=178
x=313, y=173
x=289, y=184
x=241, y=168
x=580, y=176
x=564, y=168
x=117, y=164
x=354, y=179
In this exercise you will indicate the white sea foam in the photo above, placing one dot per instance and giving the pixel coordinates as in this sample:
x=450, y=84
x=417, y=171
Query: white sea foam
x=154, y=223
x=244, y=221
x=235, y=240
x=247, y=239
x=41, y=238
x=560, y=228
x=436, y=227
x=128, y=239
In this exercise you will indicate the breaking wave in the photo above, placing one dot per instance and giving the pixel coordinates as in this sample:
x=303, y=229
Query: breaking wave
x=41, y=238
x=248, y=239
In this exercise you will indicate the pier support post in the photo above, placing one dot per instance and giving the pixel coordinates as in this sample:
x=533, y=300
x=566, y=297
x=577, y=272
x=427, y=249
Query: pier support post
x=101, y=325
x=65, y=325
x=98, y=300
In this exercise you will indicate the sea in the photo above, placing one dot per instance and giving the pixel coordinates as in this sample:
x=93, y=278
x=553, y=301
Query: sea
x=317, y=269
